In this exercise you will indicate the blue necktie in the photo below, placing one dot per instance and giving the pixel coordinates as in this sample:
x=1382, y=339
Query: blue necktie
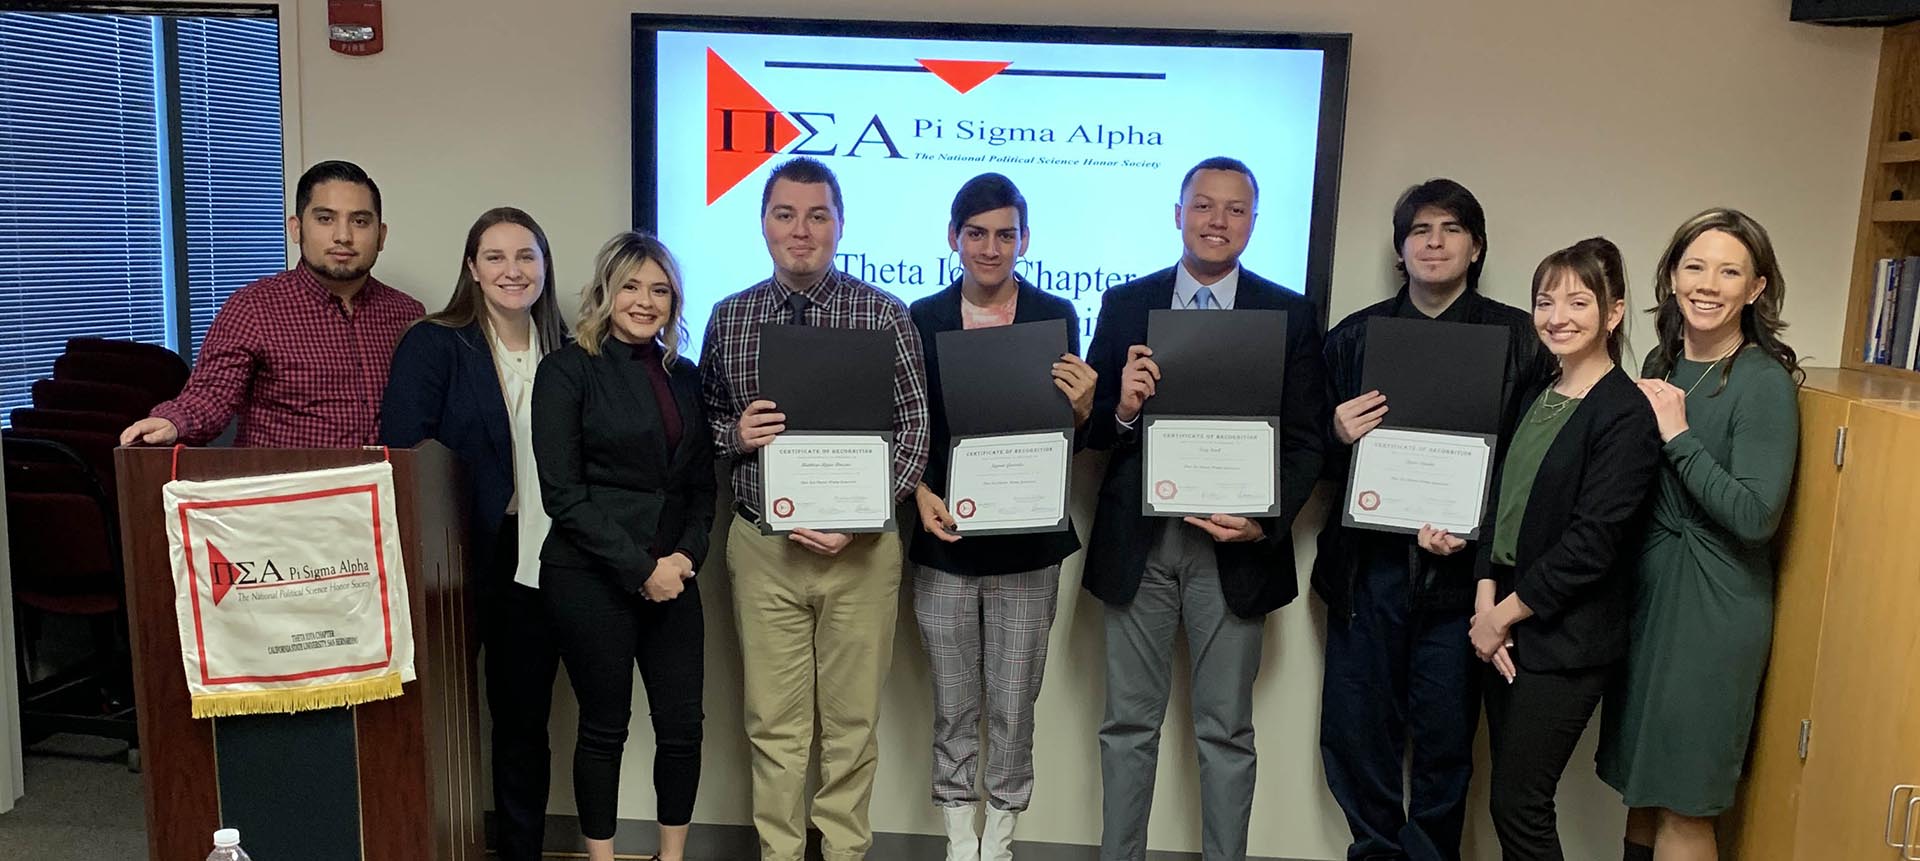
x=1203, y=299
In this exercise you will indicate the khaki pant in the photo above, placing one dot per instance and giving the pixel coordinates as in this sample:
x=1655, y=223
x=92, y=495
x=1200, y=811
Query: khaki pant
x=815, y=633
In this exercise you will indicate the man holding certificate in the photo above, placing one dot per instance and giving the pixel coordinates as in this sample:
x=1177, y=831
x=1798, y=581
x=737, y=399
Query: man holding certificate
x=1219, y=573
x=812, y=603
x=1008, y=390
x=1399, y=668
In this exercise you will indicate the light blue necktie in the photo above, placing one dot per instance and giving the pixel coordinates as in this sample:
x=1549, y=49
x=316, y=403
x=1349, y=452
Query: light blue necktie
x=1203, y=299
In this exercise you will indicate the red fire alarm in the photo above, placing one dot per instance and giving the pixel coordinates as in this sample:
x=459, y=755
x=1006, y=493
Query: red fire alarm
x=353, y=26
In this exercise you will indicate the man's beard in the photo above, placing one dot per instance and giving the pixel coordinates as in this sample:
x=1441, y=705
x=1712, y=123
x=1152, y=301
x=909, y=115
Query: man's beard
x=334, y=271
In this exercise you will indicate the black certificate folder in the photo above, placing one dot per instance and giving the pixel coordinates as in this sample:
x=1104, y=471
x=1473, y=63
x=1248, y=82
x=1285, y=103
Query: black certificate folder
x=1000, y=380
x=1437, y=375
x=827, y=379
x=1218, y=363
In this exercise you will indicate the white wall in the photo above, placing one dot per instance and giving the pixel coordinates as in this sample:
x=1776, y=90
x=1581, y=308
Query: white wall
x=1618, y=118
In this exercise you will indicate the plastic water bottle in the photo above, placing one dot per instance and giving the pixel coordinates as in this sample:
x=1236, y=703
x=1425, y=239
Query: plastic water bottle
x=226, y=846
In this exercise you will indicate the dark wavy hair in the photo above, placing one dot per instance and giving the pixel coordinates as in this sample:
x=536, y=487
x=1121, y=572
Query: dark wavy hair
x=1447, y=196
x=1596, y=262
x=468, y=304
x=1760, y=323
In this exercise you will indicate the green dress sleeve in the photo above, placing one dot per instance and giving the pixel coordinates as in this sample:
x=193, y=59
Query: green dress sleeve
x=1747, y=495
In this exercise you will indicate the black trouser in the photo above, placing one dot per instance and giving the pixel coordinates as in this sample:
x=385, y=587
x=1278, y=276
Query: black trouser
x=1533, y=725
x=603, y=633
x=1397, y=675
x=521, y=661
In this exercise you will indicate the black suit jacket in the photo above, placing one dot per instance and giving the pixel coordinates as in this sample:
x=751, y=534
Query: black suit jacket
x=1580, y=536
x=616, y=494
x=443, y=386
x=1256, y=577
x=1443, y=583
x=982, y=554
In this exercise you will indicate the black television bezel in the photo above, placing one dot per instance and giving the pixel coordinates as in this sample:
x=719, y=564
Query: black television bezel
x=1335, y=51
x=1855, y=13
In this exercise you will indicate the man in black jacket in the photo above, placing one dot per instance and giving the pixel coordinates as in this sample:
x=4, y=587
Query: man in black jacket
x=1218, y=576
x=1400, y=668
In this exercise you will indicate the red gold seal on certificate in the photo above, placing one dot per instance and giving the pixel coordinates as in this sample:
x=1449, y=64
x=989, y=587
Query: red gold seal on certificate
x=964, y=509
x=1369, y=500
x=1165, y=489
x=783, y=507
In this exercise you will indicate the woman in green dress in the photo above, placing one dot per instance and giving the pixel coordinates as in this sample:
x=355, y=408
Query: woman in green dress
x=1722, y=385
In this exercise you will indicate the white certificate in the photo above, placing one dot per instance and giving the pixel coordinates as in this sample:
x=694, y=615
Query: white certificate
x=1009, y=482
x=1211, y=466
x=1404, y=479
x=840, y=482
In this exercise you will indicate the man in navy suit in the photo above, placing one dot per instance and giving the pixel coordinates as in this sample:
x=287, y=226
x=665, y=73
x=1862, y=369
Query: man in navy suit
x=1218, y=576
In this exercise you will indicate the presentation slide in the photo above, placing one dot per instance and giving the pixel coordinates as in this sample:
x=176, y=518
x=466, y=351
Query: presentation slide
x=1096, y=136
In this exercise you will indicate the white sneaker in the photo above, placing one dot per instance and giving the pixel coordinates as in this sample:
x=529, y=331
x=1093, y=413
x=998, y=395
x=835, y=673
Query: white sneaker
x=962, y=843
x=997, y=843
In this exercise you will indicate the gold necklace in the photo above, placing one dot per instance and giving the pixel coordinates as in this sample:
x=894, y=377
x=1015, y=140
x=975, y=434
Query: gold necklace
x=1703, y=374
x=1550, y=410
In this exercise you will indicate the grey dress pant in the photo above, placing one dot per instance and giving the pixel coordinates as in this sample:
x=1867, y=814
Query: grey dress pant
x=1180, y=588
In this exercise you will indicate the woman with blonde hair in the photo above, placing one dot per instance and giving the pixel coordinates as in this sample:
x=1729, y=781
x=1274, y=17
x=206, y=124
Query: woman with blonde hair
x=626, y=471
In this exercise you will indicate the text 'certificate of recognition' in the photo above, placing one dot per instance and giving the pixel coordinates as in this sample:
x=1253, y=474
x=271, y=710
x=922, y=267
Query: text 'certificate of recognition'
x=832, y=482
x=1211, y=466
x=1010, y=483
x=1405, y=479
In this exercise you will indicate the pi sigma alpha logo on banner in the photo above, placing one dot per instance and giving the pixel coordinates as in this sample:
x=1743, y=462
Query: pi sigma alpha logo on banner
x=290, y=590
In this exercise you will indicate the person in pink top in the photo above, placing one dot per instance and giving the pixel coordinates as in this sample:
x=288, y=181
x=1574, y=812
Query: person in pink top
x=299, y=358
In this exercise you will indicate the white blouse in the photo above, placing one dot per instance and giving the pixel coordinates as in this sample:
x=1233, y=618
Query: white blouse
x=516, y=384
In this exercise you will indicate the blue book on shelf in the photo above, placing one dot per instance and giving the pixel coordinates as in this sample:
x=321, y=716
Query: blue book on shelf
x=1889, y=304
x=1870, y=351
x=1903, y=328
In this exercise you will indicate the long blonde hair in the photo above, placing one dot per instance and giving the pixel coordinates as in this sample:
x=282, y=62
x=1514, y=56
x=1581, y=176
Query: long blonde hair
x=618, y=260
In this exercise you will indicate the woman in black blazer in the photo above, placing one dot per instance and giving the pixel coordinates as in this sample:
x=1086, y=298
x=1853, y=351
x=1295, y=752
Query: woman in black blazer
x=627, y=473
x=464, y=377
x=1552, y=618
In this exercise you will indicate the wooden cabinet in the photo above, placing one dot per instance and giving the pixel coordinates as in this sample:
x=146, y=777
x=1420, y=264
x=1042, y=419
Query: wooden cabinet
x=1762, y=825
x=1838, y=727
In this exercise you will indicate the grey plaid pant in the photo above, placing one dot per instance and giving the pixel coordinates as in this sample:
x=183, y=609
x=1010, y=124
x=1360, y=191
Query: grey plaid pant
x=990, y=630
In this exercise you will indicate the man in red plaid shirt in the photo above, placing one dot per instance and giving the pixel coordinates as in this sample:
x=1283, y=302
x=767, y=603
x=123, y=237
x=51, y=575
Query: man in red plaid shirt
x=301, y=357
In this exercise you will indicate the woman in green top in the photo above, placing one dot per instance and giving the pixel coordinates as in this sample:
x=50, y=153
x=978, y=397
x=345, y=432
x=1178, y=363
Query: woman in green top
x=1721, y=383
x=1553, y=607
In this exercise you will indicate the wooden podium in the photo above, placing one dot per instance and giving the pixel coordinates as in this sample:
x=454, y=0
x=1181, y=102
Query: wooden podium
x=394, y=780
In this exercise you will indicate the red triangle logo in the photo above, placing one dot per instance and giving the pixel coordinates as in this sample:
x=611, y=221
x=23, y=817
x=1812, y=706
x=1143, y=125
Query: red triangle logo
x=220, y=572
x=744, y=130
x=964, y=75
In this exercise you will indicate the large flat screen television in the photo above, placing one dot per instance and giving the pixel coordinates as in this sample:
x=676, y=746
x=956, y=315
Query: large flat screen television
x=1096, y=126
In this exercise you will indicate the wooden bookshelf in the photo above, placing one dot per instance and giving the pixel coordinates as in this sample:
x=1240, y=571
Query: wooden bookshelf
x=1890, y=191
x=1897, y=152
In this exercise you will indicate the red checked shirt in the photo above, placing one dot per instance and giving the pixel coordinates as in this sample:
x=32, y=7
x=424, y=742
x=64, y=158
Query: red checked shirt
x=299, y=371
x=730, y=368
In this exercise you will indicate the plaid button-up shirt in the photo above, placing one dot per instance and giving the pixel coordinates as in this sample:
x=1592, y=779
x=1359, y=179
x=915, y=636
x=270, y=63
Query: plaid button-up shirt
x=299, y=372
x=730, y=368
